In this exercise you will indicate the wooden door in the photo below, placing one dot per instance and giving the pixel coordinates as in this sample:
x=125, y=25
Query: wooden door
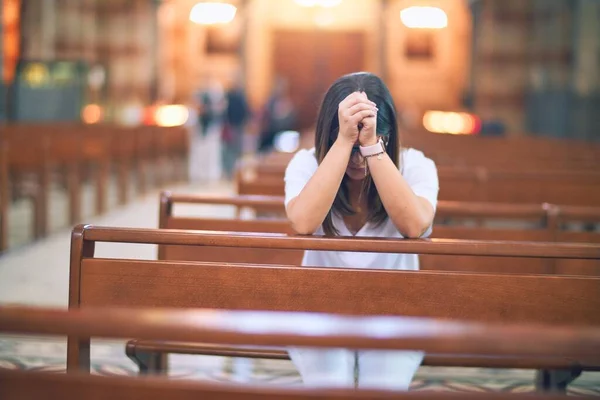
x=311, y=61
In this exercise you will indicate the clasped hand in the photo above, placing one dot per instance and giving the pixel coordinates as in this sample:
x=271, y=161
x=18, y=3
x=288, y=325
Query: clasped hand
x=358, y=120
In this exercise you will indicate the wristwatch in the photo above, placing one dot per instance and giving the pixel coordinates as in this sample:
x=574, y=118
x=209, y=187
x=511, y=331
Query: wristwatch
x=375, y=150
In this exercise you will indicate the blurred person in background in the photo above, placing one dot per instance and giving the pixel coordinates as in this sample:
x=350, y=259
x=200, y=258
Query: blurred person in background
x=205, y=164
x=278, y=115
x=237, y=115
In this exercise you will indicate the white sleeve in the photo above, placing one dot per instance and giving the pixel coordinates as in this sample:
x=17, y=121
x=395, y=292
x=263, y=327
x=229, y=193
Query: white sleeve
x=421, y=175
x=298, y=172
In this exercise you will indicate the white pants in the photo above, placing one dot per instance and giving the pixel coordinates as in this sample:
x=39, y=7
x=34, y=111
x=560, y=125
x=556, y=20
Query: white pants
x=334, y=368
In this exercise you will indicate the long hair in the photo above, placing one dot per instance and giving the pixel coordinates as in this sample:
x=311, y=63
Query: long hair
x=327, y=132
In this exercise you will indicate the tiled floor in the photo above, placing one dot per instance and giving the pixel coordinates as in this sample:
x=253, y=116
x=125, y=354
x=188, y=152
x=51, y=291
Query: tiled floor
x=37, y=274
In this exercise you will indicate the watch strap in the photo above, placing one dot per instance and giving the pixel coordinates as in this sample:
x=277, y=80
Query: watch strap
x=373, y=150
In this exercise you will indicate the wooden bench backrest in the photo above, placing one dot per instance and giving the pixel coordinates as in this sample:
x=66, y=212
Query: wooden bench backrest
x=25, y=152
x=518, y=298
x=526, y=153
x=523, y=152
x=549, y=216
x=473, y=184
x=427, y=262
x=456, y=190
x=276, y=329
x=499, y=298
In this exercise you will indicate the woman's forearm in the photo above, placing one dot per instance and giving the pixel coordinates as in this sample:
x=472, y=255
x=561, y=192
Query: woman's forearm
x=411, y=214
x=307, y=211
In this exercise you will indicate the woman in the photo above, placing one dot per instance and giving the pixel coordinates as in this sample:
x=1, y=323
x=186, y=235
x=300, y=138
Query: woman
x=358, y=182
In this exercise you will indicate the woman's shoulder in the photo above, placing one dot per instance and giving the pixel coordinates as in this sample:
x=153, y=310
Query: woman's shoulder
x=411, y=158
x=305, y=155
x=303, y=159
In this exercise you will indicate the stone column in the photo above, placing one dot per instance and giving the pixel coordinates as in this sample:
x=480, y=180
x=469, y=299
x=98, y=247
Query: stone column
x=89, y=37
x=30, y=31
x=383, y=34
x=47, y=31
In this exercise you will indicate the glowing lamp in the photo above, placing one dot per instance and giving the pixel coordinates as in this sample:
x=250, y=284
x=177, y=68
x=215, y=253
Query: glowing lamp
x=91, y=114
x=171, y=115
x=453, y=123
x=211, y=13
x=424, y=18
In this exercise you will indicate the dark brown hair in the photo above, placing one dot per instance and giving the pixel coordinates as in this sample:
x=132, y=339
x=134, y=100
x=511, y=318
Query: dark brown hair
x=327, y=131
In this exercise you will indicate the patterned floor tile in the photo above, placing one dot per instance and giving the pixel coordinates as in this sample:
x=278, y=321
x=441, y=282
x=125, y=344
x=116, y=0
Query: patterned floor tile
x=109, y=359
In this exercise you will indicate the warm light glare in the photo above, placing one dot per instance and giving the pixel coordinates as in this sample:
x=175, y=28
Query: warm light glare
x=424, y=17
x=212, y=13
x=91, y=114
x=171, y=115
x=453, y=123
x=322, y=3
x=324, y=18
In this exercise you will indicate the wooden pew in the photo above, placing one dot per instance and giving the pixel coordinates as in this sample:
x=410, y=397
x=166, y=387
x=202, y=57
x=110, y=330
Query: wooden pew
x=460, y=151
x=505, y=298
x=524, y=152
x=277, y=329
x=46, y=153
x=28, y=173
x=521, y=186
x=550, y=219
x=578, y=188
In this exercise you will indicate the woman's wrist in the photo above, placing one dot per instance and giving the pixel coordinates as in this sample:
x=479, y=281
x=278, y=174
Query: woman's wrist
x=344, y=143
x=371, y=141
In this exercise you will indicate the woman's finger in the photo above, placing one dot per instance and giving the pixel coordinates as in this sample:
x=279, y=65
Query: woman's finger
x=361, y=107
x=359, y=116
x=352, y=99
x=364, y=96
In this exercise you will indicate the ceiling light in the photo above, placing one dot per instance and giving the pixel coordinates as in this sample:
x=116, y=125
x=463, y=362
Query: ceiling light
x=424, y=17
x=211, y=13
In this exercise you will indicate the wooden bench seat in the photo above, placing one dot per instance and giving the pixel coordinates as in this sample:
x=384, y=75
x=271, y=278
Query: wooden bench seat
x=483, y=297
x=300, y=329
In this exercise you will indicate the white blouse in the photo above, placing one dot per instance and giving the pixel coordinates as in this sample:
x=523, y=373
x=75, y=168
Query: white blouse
x=421, y=175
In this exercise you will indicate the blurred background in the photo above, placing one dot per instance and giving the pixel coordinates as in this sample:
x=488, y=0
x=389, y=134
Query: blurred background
x=145, y=93
x=518, y=67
